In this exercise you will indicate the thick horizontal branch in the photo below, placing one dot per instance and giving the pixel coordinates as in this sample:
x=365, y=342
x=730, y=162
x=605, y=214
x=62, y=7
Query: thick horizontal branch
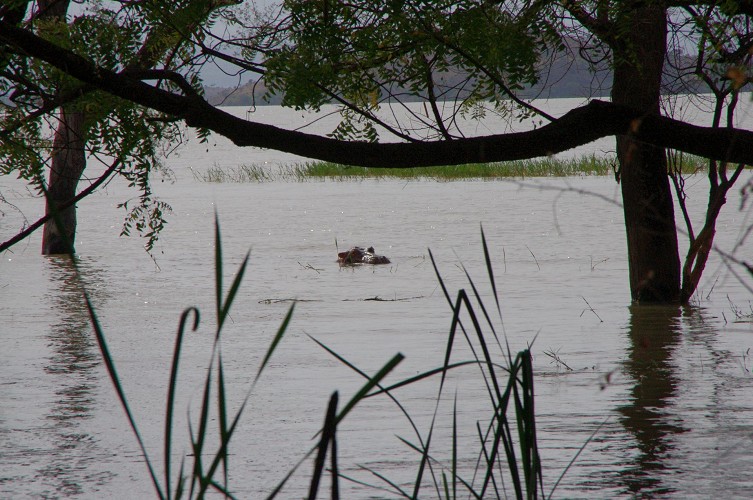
x=580, y=126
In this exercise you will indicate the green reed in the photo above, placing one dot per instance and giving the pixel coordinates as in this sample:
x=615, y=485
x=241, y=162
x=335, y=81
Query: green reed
x=241, y=174
x=539, y=167
x=203, y=474
x=544, y=167
x=506, y=450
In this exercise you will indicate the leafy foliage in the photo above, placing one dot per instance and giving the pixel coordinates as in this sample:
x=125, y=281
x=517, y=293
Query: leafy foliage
x=366, y=53
x=129, y=37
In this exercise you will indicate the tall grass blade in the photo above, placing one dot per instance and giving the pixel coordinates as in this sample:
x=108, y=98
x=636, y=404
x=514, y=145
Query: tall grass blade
x=289, y=474
x=365, y=375
x=455, y=448
x=99, y=334
x=222, y=414
x=169, y=411
x=373, y=382
x=456, y=314
x=493, y=283
x=335, y=472
x=577, y=454
x=180, y=488
x=220, y=489
x=368, y=386
x=505, y=432
x=480, y=302
x=463, y=299
x=328, y=435
x=502, y=434
x=201, y=433
x=526, y=424
x=223, y=449
x=221, y=454
x=396, y=487
x=456, y=308
x=275, y=341
x=490, y=271
x=465, y=483
x=490, y=462
x=382, y=390
x=537, y=477
x=112, y=372
x=227, y=304
x=439, y=278
x=448, y=353
x=500, y=400
x=218, y=268
x=423, y=375
x=364, y=483
x=425, y=458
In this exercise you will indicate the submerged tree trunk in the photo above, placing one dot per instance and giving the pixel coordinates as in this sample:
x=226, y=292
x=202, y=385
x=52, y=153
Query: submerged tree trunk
x=67, y=161
x=653, y=253
x=67, y=164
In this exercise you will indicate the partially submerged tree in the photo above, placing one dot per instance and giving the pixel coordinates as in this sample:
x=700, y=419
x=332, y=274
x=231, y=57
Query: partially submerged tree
x=478, y=56
x=634, y=36
x=119, y=136
x=387, y=47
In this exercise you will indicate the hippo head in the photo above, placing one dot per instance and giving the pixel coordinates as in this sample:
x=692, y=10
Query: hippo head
x=357, y=255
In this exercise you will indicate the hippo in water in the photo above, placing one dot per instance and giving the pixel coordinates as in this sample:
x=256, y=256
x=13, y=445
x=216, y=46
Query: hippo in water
x=358, y=255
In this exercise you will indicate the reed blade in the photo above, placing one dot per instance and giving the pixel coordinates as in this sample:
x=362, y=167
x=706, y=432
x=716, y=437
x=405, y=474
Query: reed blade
x=372, y=382
x=222, y=414
x=228, y=303
x=113, y=374
x=275, y=341
x=172, y=386
x=329, y=430
x=218, y=266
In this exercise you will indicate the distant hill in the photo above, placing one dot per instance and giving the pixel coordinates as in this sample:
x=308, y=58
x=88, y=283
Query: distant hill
x=252, y=93
x=564, y=77
x=568, y=84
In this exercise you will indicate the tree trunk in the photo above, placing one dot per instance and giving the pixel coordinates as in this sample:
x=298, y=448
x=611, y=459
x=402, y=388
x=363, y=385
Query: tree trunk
x=67, y=164
x=653, y=254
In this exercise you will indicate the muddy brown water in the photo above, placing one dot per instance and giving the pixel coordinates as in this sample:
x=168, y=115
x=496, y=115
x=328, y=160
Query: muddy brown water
x=663, y=393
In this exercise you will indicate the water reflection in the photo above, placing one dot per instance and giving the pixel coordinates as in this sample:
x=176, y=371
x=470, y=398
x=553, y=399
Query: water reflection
x=654, y=333
x=72, y=362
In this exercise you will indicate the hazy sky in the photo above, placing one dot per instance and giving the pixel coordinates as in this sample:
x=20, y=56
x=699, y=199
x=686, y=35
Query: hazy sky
x=211, y=74
x=214, y=76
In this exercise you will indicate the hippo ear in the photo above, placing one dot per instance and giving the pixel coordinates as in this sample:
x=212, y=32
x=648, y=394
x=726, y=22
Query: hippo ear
x=370, y=249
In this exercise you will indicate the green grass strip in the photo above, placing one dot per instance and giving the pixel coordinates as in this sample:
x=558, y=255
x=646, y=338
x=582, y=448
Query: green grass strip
x=537, y=167
x=545, y=167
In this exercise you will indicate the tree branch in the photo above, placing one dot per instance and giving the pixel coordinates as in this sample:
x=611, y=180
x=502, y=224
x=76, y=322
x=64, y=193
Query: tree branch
x=580, y=126
x=598, y=25
x=62, y=206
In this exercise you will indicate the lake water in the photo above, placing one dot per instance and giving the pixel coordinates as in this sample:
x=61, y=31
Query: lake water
x=666, y=390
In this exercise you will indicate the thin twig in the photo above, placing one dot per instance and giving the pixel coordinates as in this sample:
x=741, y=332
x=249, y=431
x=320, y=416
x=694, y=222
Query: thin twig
x=83, y=194
x=534, y=258
x=589, y=308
